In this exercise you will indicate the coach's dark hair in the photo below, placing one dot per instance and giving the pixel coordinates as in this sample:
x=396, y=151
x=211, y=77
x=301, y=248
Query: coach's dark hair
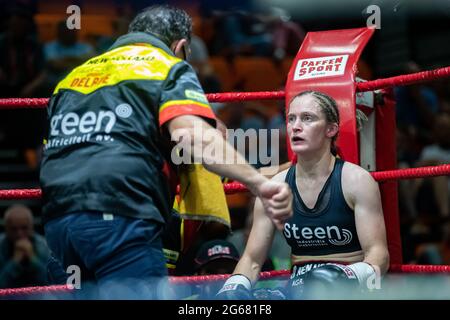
x=329, y=108
x=164, y=22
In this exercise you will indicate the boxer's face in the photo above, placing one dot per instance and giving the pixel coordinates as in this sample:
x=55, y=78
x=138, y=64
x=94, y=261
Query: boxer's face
x=307, y=126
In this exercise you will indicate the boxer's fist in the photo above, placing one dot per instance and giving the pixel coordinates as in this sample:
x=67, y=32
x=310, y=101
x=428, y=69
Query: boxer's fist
x=331, y=273
x=237, y=287
x=331, y=280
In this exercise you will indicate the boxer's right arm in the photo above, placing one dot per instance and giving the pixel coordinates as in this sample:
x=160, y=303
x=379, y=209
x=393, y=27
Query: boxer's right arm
x=246, y=273
x=258, y=244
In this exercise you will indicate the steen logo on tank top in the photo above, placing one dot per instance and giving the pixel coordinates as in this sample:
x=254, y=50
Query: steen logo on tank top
x=317, y=236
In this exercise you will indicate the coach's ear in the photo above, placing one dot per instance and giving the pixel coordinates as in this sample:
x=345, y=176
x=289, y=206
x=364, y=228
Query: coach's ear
x=180, y=48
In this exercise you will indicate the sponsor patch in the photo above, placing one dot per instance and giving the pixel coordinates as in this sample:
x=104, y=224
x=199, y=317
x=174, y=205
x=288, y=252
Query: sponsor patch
x=195, y=95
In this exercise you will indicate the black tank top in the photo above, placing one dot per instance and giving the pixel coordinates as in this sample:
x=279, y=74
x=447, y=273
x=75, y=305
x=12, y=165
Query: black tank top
x=329, y=227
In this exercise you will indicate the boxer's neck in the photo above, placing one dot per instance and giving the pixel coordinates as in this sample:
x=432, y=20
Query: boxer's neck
x=315, y=167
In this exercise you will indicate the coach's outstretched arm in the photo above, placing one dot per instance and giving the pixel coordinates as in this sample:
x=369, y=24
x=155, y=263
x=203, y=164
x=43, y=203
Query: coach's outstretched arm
x=275, y=197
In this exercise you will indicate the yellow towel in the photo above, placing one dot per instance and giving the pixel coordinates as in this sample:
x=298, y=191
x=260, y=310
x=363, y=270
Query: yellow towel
x=201, y=196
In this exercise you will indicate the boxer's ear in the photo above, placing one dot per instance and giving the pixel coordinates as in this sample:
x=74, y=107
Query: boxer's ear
x=332, y=130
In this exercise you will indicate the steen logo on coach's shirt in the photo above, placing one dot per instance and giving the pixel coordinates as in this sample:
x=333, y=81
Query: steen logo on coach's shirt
x=320, y=67
x=317, y=236
x=72, y=128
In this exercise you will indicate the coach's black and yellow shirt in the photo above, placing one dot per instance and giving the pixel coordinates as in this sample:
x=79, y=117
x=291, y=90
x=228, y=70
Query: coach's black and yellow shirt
x=104, y=148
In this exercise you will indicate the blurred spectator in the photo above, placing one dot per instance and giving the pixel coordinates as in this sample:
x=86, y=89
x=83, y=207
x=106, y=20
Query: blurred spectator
x=199, y=60
x=408, y=146
x=21, y=57
x=442, y=89
x=254, y=120
x=225, y=19
x=416, y=108
x=425, y=203
x=287, y=36
x=8, y=6
x=416, y=105
x=21, y=75
x=439, y=151
x=233, y=114
x=182, y=238
x=278, y=122
x=408, y=152
x=437, y=196
x=23, y=253
x=240, y=32
x=64, y=54
x=119, y=27
x=214, y=257
x=436, y=253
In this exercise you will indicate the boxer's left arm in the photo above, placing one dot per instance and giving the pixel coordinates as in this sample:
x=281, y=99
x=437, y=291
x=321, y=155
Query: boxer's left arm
x=364, y=194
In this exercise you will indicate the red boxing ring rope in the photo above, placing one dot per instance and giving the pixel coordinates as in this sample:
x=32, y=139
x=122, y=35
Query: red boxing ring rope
x=236, y=187
x=34, y=290
x=403, y=80
x=410, y=173
x=20, y=194
x=395, y=268
x=408, y=79
x=416, y=269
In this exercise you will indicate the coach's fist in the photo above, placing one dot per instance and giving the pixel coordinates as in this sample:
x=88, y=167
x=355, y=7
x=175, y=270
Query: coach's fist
x=276, y=198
